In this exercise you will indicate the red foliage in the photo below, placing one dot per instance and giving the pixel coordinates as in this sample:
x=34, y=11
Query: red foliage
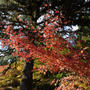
x=28, y=43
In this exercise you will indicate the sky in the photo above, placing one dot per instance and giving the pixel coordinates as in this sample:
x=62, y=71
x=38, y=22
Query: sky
x=0, y=45
x=5, y=48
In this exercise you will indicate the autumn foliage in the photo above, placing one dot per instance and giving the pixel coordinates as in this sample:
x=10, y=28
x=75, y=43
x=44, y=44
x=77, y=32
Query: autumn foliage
x=46, y=44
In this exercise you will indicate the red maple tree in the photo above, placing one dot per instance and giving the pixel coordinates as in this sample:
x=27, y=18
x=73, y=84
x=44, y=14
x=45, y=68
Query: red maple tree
x=46, y=45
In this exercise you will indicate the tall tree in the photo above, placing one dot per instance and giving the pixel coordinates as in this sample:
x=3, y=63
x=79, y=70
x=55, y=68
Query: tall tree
x=40, y=39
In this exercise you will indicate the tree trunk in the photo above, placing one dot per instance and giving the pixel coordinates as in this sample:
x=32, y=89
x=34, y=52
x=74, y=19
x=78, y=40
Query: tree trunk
x=26, y=82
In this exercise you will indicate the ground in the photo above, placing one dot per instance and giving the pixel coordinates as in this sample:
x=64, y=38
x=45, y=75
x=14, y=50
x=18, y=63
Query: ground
x=57, y=81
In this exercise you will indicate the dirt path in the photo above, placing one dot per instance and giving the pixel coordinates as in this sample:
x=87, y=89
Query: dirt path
x=3, y=67
x=1, y=89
